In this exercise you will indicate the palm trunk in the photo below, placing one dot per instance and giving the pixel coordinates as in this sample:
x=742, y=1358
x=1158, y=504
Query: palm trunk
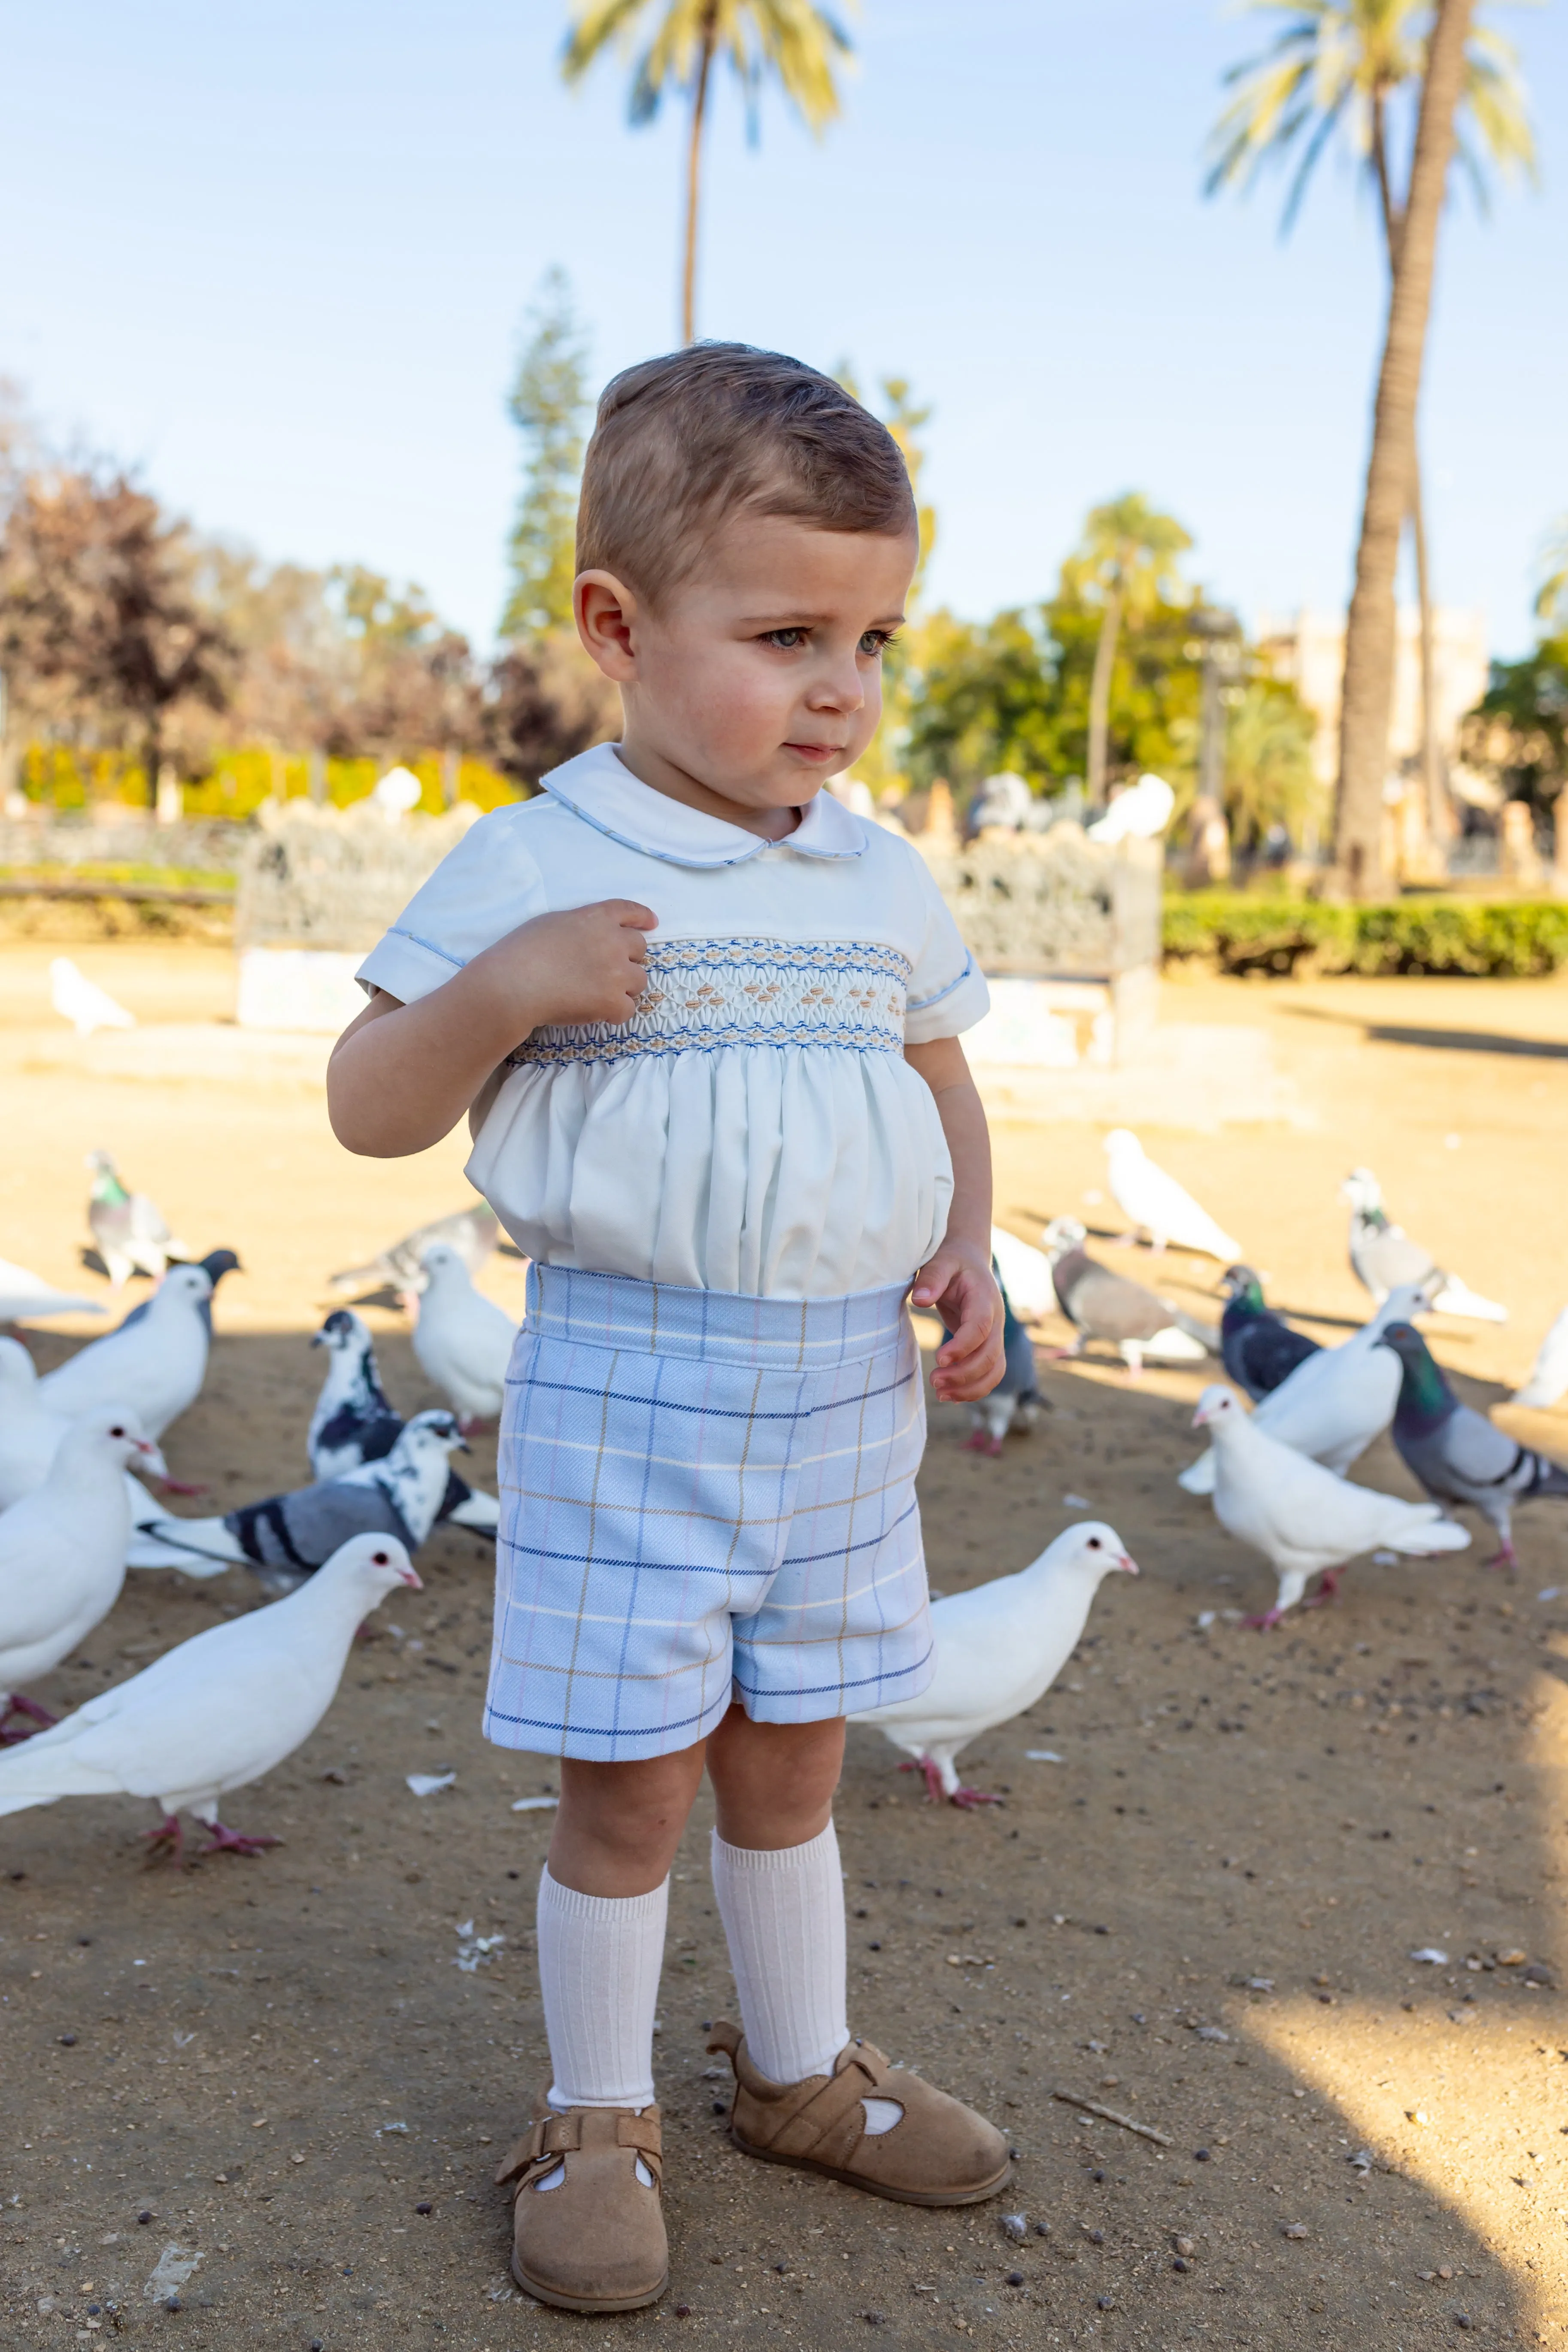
x=1370, y=631
x=694, y=172
x=1099, y=698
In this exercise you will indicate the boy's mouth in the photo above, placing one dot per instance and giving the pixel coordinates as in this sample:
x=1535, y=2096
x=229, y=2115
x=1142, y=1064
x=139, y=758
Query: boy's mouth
x=819, y=754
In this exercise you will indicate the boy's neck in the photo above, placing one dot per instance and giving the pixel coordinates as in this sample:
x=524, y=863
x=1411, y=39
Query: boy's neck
x=664, y=775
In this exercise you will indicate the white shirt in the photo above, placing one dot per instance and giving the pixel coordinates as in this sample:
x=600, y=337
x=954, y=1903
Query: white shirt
x=754, y=1126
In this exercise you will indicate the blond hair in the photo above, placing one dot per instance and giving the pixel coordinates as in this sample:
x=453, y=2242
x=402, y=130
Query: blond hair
x=682, y=442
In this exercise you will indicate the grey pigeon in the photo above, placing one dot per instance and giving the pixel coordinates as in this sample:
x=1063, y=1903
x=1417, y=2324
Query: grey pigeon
x=1384, y=1257
x=215, y=1266
x=130, y=1230
x=1258, y=1346
x=1457, y=1453
x=285, y=1538
x=354, y=1424
x=1103, y=1304
x=472, y=1232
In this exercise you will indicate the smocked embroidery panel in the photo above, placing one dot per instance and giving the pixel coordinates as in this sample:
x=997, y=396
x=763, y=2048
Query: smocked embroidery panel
x=704, y=994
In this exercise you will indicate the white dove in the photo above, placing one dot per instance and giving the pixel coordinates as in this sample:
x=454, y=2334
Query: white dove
x=1550, y=1378
x=1335, y=1403
x=462, y=1339
x=161, y=1359
x=1026, y=1274
x=1155, y=1204
x=999, y=1649
x=83, y=1003
x=1298, y=1515
x=62, y=1552
x=25, y=1296
x=217, y=1712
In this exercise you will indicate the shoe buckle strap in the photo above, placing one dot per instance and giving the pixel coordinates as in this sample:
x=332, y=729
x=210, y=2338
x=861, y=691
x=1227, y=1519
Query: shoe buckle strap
x=543, y=2144
x=833, y=2113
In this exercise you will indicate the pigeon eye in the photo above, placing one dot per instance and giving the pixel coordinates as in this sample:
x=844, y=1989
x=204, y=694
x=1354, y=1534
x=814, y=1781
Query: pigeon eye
x=1094, y=1543
x=380, y=1560
x=117, y=1431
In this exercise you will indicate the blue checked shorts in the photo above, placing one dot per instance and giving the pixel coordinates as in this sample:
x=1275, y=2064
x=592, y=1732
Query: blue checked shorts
x=703, y=1497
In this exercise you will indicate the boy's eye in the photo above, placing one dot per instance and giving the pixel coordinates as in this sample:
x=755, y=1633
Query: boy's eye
x=876, y=642
x=787, y=640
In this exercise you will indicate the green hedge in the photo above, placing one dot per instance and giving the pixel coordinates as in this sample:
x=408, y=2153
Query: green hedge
x=1513, y=939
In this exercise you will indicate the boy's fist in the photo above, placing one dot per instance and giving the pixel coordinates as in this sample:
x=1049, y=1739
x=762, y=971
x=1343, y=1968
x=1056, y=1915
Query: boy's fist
x=590, y=964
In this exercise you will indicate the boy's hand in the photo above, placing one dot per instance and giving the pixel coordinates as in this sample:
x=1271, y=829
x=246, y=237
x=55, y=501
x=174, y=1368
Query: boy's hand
x=590, y=964
x=958, y=1285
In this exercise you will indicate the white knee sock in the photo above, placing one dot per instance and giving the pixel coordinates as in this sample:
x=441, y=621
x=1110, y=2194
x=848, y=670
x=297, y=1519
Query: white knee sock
x=599, y=1958
x=784, y=1921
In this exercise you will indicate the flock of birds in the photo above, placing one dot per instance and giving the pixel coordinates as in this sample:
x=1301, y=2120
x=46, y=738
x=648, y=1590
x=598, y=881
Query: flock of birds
x=217, y=1712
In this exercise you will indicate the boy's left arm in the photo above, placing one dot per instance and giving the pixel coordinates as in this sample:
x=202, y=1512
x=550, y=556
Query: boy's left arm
x=957, y=1282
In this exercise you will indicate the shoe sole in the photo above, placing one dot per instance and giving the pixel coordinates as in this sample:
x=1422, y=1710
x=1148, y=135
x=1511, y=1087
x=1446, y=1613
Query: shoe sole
x=876, y=2187
x=587, y=2303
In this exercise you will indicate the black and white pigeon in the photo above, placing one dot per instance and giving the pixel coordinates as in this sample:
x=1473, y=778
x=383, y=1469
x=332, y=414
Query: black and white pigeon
x=159, y=1358
x=1258, y=1346
x=472, y=1232
x=131, y=1231
x=217, y=1711
x=1457, y=1453
x=354, y=1422
x=1102, y=1305
x=285, y=1537
x=215, y=1266
x=1385, y=1258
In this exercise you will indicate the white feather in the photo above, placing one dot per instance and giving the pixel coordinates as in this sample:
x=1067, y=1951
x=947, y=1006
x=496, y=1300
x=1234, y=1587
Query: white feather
x=1155, y=1204
x=462, y=1339
x=160, y=1360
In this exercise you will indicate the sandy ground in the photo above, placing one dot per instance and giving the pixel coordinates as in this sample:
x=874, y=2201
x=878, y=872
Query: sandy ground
x=1201, y=1917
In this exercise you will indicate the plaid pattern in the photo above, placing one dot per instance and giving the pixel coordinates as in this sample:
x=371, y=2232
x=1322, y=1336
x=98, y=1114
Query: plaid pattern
x=703, y=1497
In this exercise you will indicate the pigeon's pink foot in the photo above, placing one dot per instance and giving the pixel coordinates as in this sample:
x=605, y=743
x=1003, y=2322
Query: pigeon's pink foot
x=935, y=1793
x=166, y=1842
x=975, y=1443
x=1504, y=1556
x=37, y=1718
x=182, y=1487
x=1328, y=1590
x=993, y=1448
x=1266, y=1622
x=472, y=1425
x=1062, y=1355
x=224, y=1840
x=969, y=1800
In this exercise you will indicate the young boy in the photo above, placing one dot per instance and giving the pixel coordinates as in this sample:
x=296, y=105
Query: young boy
x=704, y=1023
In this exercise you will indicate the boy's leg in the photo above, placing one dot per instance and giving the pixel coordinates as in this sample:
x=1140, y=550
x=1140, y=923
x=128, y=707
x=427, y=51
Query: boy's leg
x=780, y=1888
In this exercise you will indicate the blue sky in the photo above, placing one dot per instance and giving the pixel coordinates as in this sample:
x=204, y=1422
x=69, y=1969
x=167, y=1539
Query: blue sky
x=278, y=258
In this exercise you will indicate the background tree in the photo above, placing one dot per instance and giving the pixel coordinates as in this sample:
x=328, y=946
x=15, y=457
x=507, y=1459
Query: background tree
x=1269, y=779
x=1371, y=623
x=1339, y=67
x=792, y=42
x=1552, y=596
x=548, y=405
x=1126, y=564
x=880, y=767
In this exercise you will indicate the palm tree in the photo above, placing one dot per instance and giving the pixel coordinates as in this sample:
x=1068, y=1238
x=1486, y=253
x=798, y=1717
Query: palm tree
x=1552, y=597
x=795, y=43
x=1339, y=66
x=1126, y=561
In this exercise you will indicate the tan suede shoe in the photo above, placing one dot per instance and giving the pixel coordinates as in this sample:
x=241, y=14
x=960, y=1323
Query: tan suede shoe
x=594, y=2240
x=936, y=2151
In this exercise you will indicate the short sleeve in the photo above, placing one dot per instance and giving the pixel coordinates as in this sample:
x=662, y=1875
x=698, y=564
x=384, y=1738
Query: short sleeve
x=947, y=991
x=483, y=889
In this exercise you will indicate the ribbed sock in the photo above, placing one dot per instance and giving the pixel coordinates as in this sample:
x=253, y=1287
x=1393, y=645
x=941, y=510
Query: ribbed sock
x=599, y=1959
x=784, y=1921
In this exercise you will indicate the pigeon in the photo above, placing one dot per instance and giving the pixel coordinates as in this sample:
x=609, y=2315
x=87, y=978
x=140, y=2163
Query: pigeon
x=462, y=1339
x=1155, y=1204
x=1259, y=1348
x=1459, y=1455
x=1384, y=1257
x=1298, y=1515
x=1103, y=1304
x=999, y=1649
x=1547, y=1381
x=1025, y=1275
x=217, y=1711
x=215, y=1266
x=25, y=1296
x=353, y=1423
x=160, y=1358
x=130, y=1230
x=30, y=1435
x=1336, y=1400
x=83, y=1003
x=472, y=1232
x=1015, y=1399
x=62, y=1551
x=285, y=1538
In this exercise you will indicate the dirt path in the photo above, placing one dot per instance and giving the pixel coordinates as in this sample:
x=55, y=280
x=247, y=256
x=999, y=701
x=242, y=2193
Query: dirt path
x=1201, y=1917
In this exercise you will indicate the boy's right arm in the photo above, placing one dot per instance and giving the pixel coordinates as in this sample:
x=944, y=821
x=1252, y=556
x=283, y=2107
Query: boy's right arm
x=401, y=1076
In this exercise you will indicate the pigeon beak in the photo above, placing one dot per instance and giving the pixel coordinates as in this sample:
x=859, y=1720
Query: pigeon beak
x=1128, y=1563
x=155, y=1462
x=463, y=1446
x=1200, y=1418
x=409, y=1577
x=318, y=1338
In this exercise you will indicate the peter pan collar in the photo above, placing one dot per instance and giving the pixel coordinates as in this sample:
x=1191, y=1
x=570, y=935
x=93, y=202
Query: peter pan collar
x=605, y=793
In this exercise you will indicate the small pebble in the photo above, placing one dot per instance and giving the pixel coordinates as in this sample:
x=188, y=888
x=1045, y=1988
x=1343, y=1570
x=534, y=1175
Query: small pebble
x=1200, y=2156
x=424, y=2206
x=1104, y=2303
x=683, y=2311
x=144, y=2215
x=68, y=2040
x=1097, y=2176
x=1042, y=2229
x=1016, y=2226
x=1014, y=2278
x=1180, y=2263
x=718, y=2108
x=1294, y=2230
x=1095, y=2237
x=872, y=2319
x=781, y=2268
x=1185, y=2246
x=171, y=2303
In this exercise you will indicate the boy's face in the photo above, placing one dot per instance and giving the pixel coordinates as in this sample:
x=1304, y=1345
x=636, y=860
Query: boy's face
x=760, y=675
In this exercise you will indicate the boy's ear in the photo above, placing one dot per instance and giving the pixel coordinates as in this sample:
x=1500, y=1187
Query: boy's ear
x=606, y=615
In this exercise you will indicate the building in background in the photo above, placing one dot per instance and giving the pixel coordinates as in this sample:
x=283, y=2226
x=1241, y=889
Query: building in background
x=1310, y=651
